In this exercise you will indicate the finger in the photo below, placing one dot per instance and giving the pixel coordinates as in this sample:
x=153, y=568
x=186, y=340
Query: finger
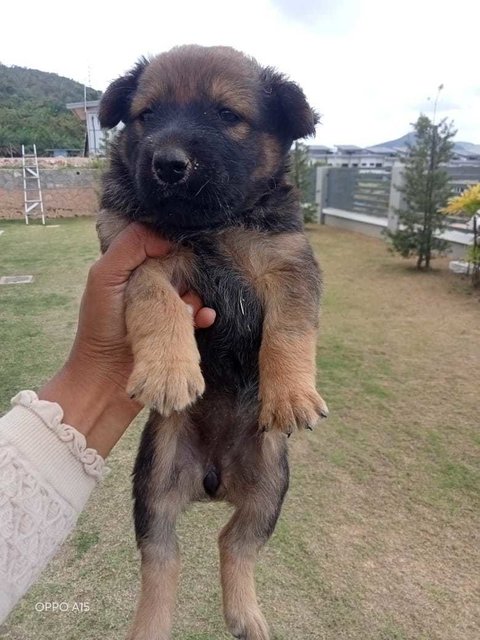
x=205, y=318
x=130, y=248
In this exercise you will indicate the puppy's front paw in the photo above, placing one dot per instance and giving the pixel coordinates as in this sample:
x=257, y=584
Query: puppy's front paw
x=287, y=408
x=166, y=383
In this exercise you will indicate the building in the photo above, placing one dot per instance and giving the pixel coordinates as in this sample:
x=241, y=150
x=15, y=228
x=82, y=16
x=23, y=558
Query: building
x=465, y=154
x=344, y=155
x=96, y=137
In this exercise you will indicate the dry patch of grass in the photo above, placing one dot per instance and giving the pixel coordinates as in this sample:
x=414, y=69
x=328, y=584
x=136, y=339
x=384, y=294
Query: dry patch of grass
x=379, y=535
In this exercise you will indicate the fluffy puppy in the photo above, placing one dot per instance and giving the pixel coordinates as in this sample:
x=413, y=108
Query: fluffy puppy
x=202, y=159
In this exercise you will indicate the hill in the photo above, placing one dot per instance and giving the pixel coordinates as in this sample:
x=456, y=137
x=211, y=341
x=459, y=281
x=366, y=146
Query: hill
x=32, y=110
x=400, y=144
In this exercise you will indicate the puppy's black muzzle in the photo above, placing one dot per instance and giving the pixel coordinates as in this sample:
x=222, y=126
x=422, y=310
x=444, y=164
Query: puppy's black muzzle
x=171, y=165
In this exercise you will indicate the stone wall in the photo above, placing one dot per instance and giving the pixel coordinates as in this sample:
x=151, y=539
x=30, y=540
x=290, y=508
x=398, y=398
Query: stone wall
x=67, y=191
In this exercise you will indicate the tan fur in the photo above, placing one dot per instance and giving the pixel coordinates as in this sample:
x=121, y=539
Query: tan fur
x=287, y=354
x=287, y=379
x=240, y=606
x=154, y=613
x=166, y=373
x=240, y=131
x=232, y=93
x=228, y=82
x=270, y=157
x=109, y=225
x=160, y=554
x=172, y=440
x=239, y=542
x=272, y=446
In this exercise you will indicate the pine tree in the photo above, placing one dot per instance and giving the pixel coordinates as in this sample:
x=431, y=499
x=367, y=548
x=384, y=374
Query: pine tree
x=425, y=192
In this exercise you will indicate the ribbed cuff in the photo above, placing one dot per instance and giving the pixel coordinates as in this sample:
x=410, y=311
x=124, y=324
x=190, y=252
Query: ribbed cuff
x=57, y=451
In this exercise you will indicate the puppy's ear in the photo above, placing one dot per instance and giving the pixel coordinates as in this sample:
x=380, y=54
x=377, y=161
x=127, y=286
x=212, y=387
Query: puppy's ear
x=115, y=102
x=286, y=104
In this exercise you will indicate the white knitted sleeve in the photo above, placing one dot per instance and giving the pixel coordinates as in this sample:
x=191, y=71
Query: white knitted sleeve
x=46, y=476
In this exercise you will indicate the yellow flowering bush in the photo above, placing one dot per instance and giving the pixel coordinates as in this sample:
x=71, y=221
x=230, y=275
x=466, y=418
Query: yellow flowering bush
x=468, y=203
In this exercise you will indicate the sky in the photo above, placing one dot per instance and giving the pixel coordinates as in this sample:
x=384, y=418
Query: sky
x=369, y=67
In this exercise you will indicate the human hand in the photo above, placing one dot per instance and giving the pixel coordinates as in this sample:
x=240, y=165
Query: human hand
x=91, y=386
x=102, y=334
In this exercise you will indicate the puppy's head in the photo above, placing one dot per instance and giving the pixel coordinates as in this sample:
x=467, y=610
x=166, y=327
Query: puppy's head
x=205, y=128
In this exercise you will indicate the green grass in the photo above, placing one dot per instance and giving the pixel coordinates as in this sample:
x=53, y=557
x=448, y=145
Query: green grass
x=378, y=538
x=38, y=320
x=84, y=540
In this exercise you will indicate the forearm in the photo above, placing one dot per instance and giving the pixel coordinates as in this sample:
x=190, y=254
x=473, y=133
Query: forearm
x=96, y=405
x=47, y=474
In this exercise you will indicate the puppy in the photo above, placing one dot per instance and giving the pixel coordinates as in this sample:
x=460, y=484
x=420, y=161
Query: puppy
x=203, y=159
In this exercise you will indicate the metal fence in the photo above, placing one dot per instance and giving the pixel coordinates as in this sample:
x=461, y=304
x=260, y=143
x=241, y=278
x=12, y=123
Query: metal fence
x=367, y=190
x=462, y=176
x=359, y=190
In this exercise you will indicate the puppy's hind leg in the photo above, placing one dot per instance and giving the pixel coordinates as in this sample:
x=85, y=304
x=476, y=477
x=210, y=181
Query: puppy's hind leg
x=160, y=571
x=164, y=483
x=257, y=510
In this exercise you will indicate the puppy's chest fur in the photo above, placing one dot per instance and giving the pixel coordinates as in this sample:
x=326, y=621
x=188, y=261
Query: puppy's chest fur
x=225, y=282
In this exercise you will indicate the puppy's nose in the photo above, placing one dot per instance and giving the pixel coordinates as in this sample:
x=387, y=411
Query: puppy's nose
x=171, y=164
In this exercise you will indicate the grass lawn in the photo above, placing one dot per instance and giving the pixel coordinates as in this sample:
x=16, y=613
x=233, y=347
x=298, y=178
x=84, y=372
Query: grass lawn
x=379, y=536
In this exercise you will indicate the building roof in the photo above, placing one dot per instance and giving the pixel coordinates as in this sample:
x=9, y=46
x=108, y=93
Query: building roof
x=384, y=151
x=349, y=148
x=320, y=148
x=79, y=108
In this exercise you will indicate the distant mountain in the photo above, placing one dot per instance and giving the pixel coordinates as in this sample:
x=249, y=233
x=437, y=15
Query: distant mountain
x=400, y=144
x=468, y=148
x=33, y=111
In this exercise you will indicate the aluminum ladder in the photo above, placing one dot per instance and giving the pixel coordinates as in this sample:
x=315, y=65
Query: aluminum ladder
x=32, y=191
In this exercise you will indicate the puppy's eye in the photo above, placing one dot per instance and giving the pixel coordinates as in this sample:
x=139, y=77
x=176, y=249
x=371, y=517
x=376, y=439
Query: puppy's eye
x=228, y=116
x=144, y=114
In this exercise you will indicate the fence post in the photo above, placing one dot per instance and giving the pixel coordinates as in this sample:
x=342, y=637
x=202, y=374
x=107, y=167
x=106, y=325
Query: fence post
x=396, y=198
x=321, y=187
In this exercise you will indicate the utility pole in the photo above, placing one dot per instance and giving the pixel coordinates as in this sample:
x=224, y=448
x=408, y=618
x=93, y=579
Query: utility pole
x=429, y=204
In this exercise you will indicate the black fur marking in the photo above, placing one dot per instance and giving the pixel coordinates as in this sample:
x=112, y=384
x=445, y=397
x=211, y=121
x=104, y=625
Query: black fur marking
x=287, y=110
x=118, y=193
x=229, y=348
x=115, y=103
x=142, y=478
x=142, y=472
x=276, y=211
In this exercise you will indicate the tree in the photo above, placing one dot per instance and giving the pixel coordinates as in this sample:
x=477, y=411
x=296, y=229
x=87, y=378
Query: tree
x=468, y=204
x=303, y=176
x=425, y=193
x=33, y=111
